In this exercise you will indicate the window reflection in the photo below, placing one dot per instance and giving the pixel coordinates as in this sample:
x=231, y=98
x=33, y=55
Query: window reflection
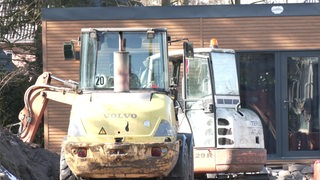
x=303, y=100
x=224, y=74
x=146, y=60
x=257, y=91
x=198, y=78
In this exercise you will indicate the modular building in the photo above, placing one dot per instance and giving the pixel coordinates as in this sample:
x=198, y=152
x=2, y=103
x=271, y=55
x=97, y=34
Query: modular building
x=278, y=53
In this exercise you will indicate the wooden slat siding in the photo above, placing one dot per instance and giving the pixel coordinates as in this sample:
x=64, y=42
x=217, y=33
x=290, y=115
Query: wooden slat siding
x=251, y=33
x=265, y=33
x=44, y=64
x=58, y=121
x=57, y=113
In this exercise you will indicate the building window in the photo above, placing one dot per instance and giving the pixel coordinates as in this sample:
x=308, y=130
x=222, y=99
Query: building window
x=303, y=102
x=283, y=89
x=257, y=90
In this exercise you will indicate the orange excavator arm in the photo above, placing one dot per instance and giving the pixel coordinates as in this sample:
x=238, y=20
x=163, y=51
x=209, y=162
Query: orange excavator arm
x=36, y=98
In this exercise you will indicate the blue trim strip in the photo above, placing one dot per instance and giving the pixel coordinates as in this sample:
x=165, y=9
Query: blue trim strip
x=177, y=12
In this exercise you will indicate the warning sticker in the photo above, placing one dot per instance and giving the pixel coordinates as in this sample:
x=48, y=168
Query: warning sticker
x=102, y=131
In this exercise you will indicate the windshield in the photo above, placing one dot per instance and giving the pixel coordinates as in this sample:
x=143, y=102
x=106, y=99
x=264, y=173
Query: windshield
x=97, y=62
x=225, y=73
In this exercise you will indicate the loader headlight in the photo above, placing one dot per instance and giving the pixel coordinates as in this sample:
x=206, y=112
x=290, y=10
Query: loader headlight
x=164, y=129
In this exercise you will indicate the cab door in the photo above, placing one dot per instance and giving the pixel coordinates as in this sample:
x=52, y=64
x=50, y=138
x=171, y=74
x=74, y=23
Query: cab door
x=198, y=99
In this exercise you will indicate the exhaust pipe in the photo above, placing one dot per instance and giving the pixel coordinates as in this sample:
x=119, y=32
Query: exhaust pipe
x=121, y=71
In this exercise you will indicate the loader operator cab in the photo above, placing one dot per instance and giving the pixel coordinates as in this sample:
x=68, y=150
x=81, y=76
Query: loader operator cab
x=103, y=62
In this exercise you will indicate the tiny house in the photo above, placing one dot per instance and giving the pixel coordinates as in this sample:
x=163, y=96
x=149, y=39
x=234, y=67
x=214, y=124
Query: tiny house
x=278, y=56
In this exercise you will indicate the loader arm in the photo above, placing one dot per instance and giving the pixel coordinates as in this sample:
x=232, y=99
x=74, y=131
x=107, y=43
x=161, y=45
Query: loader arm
x=36, y=98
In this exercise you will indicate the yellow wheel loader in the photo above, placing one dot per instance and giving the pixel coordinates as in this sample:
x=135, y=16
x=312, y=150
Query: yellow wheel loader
x=123, y=121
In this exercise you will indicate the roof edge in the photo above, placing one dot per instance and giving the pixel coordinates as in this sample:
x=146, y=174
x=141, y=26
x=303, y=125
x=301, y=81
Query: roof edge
x=180, y=12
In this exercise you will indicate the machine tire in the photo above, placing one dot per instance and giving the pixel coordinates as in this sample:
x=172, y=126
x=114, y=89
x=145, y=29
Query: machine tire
x=65, y=172
x=184, y=167
x=191, y=160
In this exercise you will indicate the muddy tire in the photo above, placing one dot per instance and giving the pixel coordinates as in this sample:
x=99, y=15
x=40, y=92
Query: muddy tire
x=65, y=172
x=191, y=160
x=184, y=167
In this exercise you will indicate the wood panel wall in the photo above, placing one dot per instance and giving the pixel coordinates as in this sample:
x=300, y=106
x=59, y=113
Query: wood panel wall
x=252, y=33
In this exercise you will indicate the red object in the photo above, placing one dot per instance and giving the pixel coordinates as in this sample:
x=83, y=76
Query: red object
x=316, y=170
x=156, y=151
x=82, y=152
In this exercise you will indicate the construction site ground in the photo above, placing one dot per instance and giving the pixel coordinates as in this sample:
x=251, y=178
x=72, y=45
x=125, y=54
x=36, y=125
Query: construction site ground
x=21, y=161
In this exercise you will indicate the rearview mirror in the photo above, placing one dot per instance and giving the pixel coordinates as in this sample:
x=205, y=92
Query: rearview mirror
x=68, y=49
x=71, y=51
x=188, y=50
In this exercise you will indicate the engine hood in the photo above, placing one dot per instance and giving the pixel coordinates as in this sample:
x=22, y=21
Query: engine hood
x=121, y=114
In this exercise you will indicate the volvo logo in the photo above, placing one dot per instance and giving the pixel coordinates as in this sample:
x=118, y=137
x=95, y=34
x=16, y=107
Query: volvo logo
x=121, y=115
